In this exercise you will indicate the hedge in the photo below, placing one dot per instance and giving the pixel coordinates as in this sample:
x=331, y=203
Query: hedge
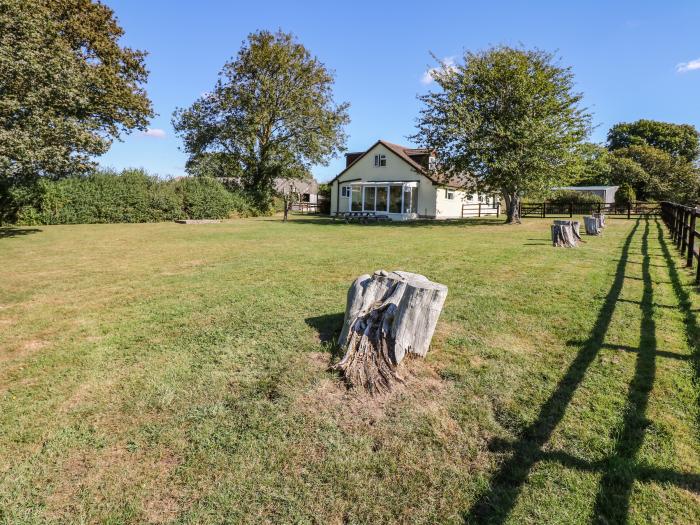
x=129, y=196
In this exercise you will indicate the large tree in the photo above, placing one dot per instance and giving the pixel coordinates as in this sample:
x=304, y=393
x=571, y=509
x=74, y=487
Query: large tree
x=678, y=140
x=271, y=114
x=509, y=118
x=67, y=87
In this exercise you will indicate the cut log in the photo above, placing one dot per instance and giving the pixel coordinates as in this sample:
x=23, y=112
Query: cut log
x=592, y=225
x=388, y=315
x=563, y=236
x=575, y=225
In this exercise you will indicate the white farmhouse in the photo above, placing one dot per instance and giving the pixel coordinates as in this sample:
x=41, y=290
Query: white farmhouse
x=394, y=180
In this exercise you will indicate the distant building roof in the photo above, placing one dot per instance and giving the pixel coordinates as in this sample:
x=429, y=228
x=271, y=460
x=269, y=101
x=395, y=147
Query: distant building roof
x=590, y=188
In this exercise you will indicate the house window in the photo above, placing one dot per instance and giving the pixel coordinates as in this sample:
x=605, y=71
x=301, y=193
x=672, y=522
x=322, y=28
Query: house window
x=410, y=202
x=450, y=195
x=432, y=163
x=395, y=199
x=345, y=191
x=356, y=203
x=382, y=198
x=370, y=192
x=379, y=161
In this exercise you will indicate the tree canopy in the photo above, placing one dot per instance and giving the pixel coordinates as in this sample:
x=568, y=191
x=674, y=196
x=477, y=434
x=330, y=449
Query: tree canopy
x=508, y=117
x=678, y=140
x=68, y=87
x=271, y=114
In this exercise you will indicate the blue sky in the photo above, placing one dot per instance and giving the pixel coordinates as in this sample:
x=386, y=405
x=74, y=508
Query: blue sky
x=631, y=59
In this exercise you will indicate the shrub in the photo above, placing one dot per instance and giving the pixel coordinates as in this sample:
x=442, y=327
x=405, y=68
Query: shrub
x=625, y=194
x=108, y=197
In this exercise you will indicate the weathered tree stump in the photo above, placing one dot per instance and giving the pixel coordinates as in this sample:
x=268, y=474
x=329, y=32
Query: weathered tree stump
x=575, y=225
x=388, y=315
x=592, y=225
x=601, y=220
x=563, y=236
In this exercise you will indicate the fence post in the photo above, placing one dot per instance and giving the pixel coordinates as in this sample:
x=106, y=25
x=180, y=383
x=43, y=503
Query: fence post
x=629, y=209
x=691, y=238
x=479, y=209
x=679, y=228
x=498, y=209
x=544, y=209
x=462, y=211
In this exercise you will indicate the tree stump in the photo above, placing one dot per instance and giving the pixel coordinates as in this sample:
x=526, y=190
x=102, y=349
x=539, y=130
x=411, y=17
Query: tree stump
x=600, y=218
x=592, y=225
x=575, y=225
x=388, y=315
x=563, y=236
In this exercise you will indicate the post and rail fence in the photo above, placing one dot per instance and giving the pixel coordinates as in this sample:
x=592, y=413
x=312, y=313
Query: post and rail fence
x=480, y=209
x=681, y=221
x=557, y=209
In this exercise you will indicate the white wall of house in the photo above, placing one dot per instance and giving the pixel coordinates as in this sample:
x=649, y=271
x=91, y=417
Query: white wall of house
x=448, y=203
x=396, y=170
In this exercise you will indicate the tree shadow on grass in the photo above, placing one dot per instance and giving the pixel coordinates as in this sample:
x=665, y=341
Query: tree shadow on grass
x=328, y=327
x=496, y=503
x=17, y=232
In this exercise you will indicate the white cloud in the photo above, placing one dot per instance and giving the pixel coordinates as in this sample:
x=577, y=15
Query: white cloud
x=427, y=78
x=155, y=133
x=684, y=67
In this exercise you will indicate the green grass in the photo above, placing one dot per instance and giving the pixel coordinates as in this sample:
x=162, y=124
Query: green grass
x=170, y=373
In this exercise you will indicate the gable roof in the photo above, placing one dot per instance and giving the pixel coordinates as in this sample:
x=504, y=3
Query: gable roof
x=406, y=154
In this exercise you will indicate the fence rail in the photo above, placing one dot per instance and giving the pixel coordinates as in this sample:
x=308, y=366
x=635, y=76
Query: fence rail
x=479, y=209
x=306, y=207
x=681, y=221
x=544, y=209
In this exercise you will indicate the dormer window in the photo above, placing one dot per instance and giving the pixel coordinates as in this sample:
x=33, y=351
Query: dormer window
x=379, y=161
x=432, y=163
x=450, y=194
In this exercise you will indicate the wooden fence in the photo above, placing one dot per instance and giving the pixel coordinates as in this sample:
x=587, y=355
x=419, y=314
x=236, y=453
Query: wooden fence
x=681, y=221
x=478, y=209
x=550, y=209
x=306, y=207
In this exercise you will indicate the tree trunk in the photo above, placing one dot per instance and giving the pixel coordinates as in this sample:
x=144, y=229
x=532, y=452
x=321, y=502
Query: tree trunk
x=286, y=207
x=563, y=235
x=512, y=207
x=388, y=315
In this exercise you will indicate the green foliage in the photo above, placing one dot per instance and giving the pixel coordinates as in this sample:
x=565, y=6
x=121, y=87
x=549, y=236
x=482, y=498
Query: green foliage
x=655, y=174
x=207, y=198
x=509, y=117
x=577, y=197
x=68, y=88
x=593, y=166
x=625, y=194
x=678, y=140
x=270, y=115
x=129, y=196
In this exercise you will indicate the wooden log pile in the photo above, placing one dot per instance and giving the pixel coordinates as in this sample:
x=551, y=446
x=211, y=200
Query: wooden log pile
x=388, y=316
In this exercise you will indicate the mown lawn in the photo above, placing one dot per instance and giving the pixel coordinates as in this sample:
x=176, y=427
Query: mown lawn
x=170, y=373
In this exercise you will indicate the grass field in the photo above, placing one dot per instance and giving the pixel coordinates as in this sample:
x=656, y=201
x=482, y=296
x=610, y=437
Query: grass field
x=169, y=373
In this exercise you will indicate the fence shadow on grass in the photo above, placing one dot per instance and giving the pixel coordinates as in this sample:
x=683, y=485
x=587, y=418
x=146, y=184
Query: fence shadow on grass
x=620, y=471
x=622, y=468
x=692, y=330
x=496, y=503
x=17, y=232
